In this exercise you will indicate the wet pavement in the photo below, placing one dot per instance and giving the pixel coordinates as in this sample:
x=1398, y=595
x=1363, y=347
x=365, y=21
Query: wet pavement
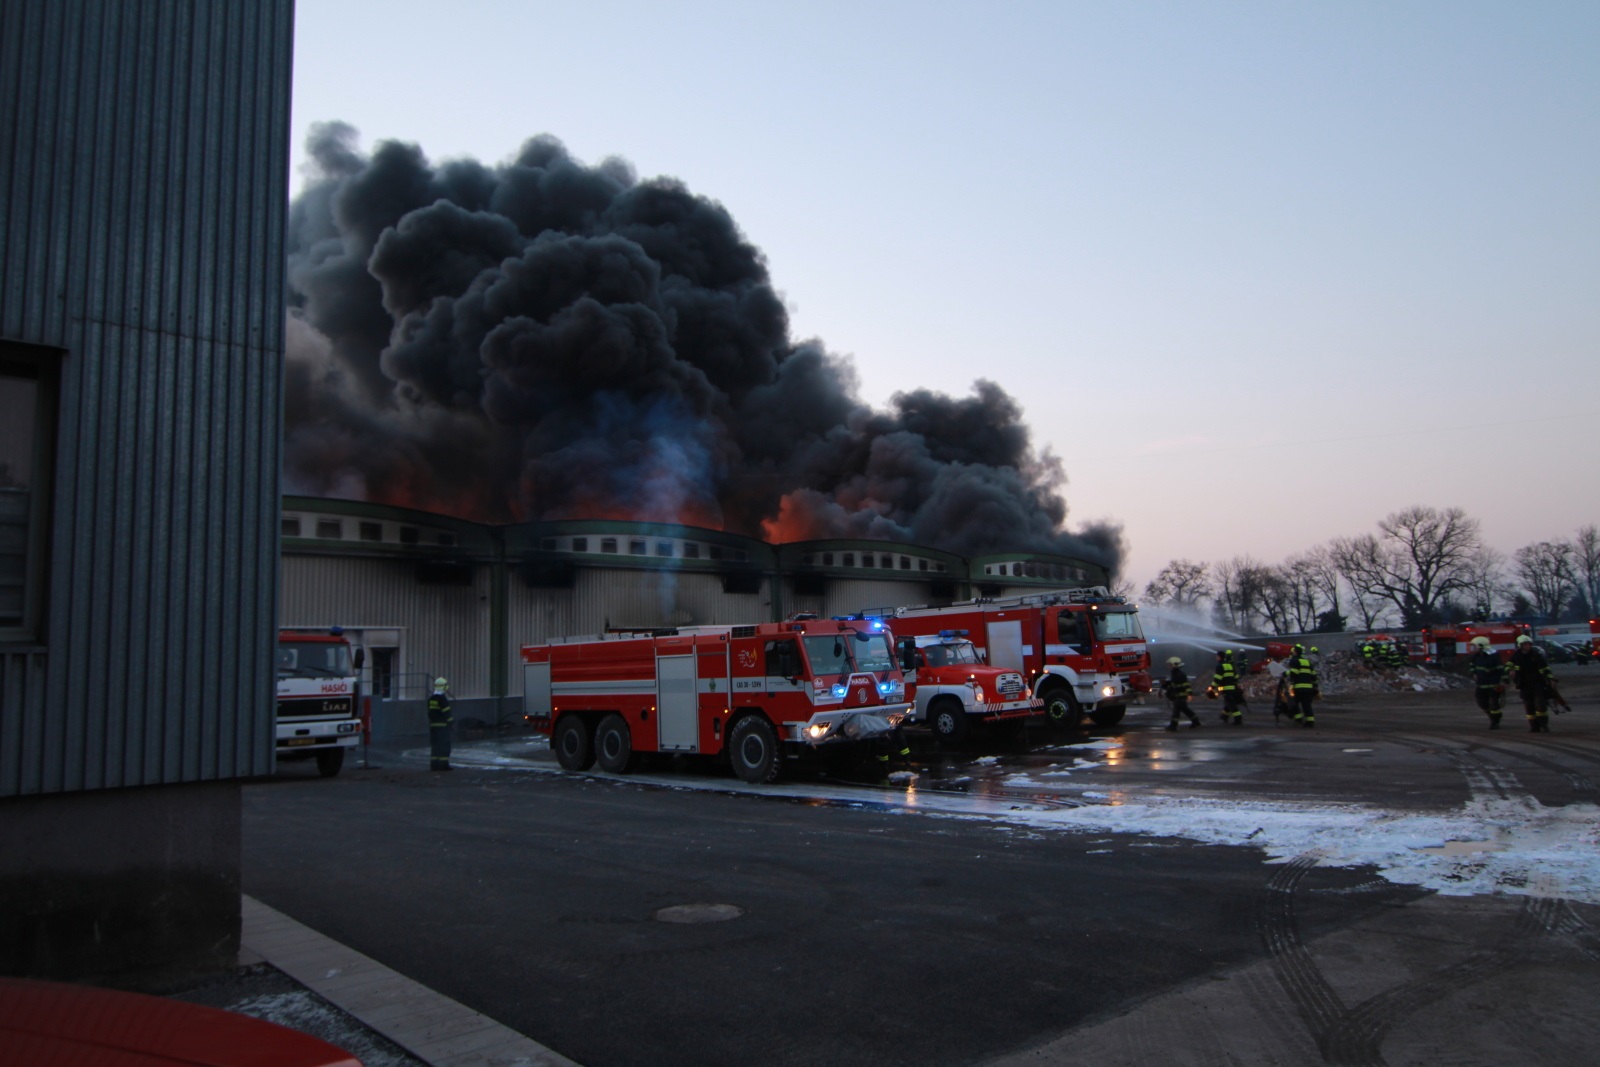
x=1365, y=892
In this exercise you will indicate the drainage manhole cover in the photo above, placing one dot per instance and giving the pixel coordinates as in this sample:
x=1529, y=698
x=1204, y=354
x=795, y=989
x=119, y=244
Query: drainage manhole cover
x=699, y=913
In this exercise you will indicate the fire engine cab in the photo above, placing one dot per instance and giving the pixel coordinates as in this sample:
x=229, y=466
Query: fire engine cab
x=753, y=694
x=1081, y=651
x=955, y=687
x=1441, y=644
x=319, y=714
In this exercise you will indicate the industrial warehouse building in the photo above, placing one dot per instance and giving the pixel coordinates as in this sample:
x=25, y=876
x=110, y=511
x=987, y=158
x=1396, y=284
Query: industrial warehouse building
x=428, y=595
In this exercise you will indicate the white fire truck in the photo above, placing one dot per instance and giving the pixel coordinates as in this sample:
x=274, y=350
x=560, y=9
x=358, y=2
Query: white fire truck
x=955, y=687
x=753, y=694
x=319, y=713
x=1080, y=651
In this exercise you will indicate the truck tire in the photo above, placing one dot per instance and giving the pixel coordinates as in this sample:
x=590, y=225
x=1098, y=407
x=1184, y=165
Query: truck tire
x=613, y=744
x=1108, y=716
x=329, y=760
x=948, y=720
x=753, y=750
x=1061, y=708
x=572, y=743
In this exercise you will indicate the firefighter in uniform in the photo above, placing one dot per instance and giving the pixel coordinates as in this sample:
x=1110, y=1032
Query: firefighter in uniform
x=1177, y=691
x=1530, y=673
x=1366, y=654
x=1226, y=682
x=439, y=720
x=1303, y=687
x=1489, y=675
x=889, y=746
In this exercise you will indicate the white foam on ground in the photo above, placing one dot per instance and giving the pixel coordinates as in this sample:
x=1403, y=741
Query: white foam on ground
x=1527, y=848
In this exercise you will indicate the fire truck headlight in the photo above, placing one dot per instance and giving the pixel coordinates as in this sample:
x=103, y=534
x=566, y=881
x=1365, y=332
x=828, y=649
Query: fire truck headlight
x=817, y=731
x=1108, y=690
x=977, y=693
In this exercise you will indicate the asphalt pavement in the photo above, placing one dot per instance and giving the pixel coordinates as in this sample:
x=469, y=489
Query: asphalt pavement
x=1399, y=885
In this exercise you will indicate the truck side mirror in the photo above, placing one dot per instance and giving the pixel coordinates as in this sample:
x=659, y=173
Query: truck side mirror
x=361, y=658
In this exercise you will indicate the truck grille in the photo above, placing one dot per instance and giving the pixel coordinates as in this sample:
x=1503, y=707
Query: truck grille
x=315, y=708
x=1010, y=686
x=1128, y=660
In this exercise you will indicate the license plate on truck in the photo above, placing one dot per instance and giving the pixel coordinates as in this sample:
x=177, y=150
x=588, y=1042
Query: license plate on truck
x=301, y=741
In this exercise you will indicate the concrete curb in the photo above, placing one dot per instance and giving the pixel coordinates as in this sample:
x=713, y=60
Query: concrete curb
x=429, y=1025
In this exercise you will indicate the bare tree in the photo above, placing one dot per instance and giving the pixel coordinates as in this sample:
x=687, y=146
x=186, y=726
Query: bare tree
x=1586, y=566
x=1419, y=562
x=1323, y=575
x=1359, y=560
x=1239, y=586
x=1485, y=581
x=1182, y=583
x=1122, y=587
x=1546, y=574
x=1278, y=600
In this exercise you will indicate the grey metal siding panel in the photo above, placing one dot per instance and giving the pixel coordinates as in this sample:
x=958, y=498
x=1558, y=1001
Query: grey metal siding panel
x=846, y=596
x=446, y=626
x=143, y=194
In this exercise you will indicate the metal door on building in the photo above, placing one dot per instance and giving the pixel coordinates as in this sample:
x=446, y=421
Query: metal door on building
x=1005, y=644
x=677, y=704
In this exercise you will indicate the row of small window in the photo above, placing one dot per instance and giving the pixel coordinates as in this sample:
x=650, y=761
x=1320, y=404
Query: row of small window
x=1053, y=571
x=872, y=559
x=638, y=546
x=333, y=530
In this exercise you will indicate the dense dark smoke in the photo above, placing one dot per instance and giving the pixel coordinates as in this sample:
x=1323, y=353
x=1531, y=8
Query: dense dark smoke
x=545, y=339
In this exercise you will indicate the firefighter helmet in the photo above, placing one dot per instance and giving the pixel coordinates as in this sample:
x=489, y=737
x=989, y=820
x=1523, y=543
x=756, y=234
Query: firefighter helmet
x=1479, y=642
x=1315, y=650
x=1174, y=661
x=1524, y=639
x=439, y=683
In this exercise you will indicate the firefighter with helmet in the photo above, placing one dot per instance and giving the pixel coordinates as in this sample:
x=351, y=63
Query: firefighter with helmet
x=1530, y=673
x=1489, y=676
x=1225, y=680
x=1303, y=686
x=1177, y=690
x=439, y=720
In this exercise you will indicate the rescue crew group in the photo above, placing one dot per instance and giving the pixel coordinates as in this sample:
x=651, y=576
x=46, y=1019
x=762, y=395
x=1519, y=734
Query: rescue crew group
x=1299, y=688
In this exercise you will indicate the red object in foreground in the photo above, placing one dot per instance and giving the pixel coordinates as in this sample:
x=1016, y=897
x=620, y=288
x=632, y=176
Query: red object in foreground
x=51, y=1024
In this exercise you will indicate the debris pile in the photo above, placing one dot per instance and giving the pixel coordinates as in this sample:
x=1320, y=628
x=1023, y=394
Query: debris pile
x=1344, y=674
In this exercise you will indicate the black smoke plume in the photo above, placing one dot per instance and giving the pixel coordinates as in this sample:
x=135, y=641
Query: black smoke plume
x=545, y=339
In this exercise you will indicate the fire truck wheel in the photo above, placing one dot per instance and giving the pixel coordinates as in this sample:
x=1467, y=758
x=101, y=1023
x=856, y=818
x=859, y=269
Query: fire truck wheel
x=613, y=744
x=1108, y=716
x=329, y=761
x=1061, y=708
x=573, y=745
x=753, y=750
x=948, y=719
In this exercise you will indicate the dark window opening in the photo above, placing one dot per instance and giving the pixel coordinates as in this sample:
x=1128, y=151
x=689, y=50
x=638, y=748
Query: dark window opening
x=636, y=548
x=714, y=552
x=664, y=549
x=372, y=531
x=330, y=529
x=447, y=540
x=409, y=535
x=691, y=550
x=290, y=528
x=608, y=544
x=580, y=544
x=29, y=378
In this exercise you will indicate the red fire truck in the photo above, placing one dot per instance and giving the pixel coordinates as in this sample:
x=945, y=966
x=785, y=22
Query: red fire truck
x=319, y=713
x=755, y=694
x=1441, y=644
x=955, y=687
x=1081, y=651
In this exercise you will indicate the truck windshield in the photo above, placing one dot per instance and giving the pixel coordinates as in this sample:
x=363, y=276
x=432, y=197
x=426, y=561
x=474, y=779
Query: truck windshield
x=829, y=654
x=951, y=653
x=313, y=659
x=1117, y=626
x=875, y=654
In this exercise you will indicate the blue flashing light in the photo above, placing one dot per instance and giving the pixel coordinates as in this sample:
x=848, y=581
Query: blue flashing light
x=839, y=690
x=947, y=634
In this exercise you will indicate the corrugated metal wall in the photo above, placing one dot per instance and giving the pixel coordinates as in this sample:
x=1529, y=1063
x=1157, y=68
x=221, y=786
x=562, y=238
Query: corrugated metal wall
x=446, y=626
x=143, y=190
